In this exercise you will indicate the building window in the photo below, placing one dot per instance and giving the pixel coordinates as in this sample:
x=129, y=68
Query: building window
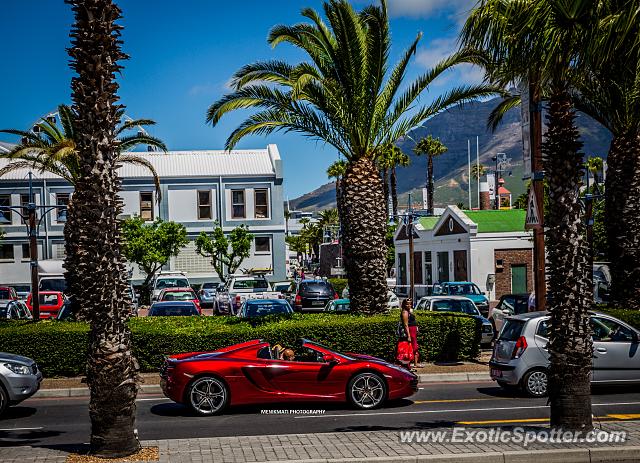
x=26, y=251
x=62, y=199
x=204, y=205
x=237, y=204
x=428, y=268
x=402, y=271
x=261, y=204
x=24, y=202
x=5, y=216
x=263, y=244
x=146, y=206
x=6, y=252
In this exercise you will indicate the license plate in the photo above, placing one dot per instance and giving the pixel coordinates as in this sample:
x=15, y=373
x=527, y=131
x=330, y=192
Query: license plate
x=317, y=303
x=497, y=373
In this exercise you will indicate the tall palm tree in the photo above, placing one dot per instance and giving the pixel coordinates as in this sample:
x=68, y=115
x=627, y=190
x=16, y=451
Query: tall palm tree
x=54, y=149
x=345, y=95
x=337, y=170
x=431, y=148
x=541, y=41
x=390, y=157
x=477, y=171
x=98, y=283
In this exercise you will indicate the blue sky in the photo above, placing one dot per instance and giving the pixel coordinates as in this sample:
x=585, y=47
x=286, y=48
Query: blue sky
x=182, y=54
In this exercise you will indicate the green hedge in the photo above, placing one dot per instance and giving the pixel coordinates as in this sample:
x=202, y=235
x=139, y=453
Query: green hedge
x=60, y=347
x=338, y=284
x=632, y=317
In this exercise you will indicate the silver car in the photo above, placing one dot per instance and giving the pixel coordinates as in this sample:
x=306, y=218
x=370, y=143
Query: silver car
x=20, y=378
x=520, y=358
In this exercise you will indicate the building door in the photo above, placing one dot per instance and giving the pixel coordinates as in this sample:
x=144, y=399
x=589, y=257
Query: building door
x=518, y=279
x=460, y=265
x=443, y=266
x=417, y=268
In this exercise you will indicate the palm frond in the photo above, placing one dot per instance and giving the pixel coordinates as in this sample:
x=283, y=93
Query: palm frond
x=497, y=114
x=140, y=161
x=129, y=142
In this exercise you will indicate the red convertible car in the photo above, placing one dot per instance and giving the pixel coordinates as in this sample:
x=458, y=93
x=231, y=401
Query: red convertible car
x=251, y=373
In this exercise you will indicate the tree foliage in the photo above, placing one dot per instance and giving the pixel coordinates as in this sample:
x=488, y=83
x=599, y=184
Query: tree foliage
x=226, y=252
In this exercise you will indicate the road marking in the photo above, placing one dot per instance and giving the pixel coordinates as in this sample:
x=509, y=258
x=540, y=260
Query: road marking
x=20, y=429
x=453, y=400
x=524, y=420
x=631, y=416
x=449, y=411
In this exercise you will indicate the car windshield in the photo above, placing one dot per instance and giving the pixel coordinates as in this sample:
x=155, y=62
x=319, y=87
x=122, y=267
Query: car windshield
x=179, y=296
x=511, y=330
x=342, y=307
x=462, y=290
x=173, y=311
x=5, y=294
x=454, y=305
x=209, y=285
x=22, y=288
x=310, y=346
x=53, y=284
x=172, y=283
x=255, y=283
x=258, y=309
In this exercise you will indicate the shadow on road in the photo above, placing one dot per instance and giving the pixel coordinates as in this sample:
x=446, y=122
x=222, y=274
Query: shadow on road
x=32, y=437
x=403, y=427
x=14, y=413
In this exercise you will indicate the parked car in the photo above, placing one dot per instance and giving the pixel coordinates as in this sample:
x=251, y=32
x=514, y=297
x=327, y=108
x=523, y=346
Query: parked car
x=509, y=304
x=253, y=308
x=22, y=291
x=180, y=294
x=20, y=378
x=311, y=294
x=466, y=289
x=338, y=306
x=520, y=358
x=393, y=301
x=250, y=373
x=7, y=294
x=208, y=293
x=173, y=309
x=168, y=280
x=15, y=310
x=458, y=304
x=240, y=288
x=50, y=303
x=134, y=300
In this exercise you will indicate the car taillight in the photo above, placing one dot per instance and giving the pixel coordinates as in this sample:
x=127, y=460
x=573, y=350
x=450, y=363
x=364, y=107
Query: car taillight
x=519, y=348
x=298, y=299
x=335, y=295
x=238, y=299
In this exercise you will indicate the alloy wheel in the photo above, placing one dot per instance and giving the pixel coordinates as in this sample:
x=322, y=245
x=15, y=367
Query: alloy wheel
x=207, y=395
x=536, y=383
x=367, y=390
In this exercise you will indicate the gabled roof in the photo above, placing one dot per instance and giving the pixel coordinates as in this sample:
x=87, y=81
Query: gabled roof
x=511, y=220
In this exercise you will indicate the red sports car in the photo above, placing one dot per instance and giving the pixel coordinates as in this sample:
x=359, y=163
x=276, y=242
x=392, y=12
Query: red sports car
x=252, y=373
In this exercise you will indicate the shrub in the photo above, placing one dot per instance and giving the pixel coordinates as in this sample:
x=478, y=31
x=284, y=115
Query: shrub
x=338, y=284
x=60, y=347
x=631, y=317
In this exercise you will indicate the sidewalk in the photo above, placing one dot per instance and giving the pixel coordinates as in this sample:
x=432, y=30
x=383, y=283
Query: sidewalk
x=368, y=446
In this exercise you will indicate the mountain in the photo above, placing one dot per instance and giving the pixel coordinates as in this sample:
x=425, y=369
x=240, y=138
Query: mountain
x=455, y=128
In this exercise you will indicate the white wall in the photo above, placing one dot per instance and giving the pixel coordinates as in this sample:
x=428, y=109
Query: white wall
x=183, y=205
x=18, y=270
x=131, y=200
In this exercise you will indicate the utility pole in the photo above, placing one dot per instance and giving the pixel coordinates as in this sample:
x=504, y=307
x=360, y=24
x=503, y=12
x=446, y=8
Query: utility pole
x=411, y=261
x=469, y=161
x=33, y=252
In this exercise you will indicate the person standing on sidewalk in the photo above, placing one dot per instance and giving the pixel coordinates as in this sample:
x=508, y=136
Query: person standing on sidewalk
x=408, y=320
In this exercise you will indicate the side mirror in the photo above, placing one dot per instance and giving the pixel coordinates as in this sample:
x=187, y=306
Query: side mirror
x=328, y=358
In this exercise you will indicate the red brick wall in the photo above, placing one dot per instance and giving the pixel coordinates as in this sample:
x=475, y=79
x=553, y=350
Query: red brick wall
x=503, y=276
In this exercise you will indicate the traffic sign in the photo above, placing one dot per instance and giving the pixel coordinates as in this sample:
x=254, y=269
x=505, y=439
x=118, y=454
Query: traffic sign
x=533, y=215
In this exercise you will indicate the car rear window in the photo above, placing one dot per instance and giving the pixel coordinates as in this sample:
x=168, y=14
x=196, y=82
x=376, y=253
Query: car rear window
x=48, y=299
x=316, y=287
x=179, y=296
x=173, y=311
x=5, y=294
x=54, y=284
x=258, y=309
x=210, y=286
x=256, y=283
x=172, y=283
x=512, y=330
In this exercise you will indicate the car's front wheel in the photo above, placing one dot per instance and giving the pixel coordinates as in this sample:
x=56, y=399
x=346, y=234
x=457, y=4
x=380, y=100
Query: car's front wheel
x=367, y=390
x=207, y=395
x=4, y=400
x=535, y=383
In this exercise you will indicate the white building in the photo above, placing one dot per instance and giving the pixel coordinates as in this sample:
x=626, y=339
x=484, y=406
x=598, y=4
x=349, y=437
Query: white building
x=490, y=248
x=198, y=188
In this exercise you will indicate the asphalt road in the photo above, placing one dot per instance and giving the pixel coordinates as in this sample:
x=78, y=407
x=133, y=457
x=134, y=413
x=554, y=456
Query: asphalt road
x=52, y=422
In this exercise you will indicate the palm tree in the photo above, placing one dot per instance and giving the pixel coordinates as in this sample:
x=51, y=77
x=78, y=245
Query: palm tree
x=54, y=149
x=390, y=157
x=337, y=171
x=432, y=148
x=542, y=42
x=345, y=96
x=98, y=282
x=478, y=171
x=329, y=217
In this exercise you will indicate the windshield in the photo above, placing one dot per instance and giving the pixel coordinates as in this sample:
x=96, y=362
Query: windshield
x=453, y=305
x=53, y=284
x=179, y=296
x=256, y=283
x=311, y=346
x=209, y=285
x=5, y=294
x=464, y=289
x=172, y=283
x=258, y=309
x=173, y=311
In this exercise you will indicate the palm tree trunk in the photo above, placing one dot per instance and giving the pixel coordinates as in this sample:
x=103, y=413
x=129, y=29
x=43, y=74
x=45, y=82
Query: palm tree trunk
x=622, y=210
x=385, y=189
x=363, y=239
x=100, y=268
x=569, y=278
x=430, y=184
x=394, y=193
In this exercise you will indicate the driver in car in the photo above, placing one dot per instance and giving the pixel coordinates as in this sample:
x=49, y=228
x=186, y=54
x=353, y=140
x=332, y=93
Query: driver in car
x=288, y=355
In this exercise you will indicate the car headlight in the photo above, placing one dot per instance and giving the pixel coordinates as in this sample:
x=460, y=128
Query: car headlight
x=18, y=369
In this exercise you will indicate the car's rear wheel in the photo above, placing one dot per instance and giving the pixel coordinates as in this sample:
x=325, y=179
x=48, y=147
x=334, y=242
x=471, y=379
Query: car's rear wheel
x=535, y=383
x=4, y=400
x=367, y=390
x=207, y=395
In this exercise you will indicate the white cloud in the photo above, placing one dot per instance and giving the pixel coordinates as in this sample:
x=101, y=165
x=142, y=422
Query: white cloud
x=427, y=8
x=437, y=50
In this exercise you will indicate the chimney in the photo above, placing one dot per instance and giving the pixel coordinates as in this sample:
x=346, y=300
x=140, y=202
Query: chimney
x=485, y=200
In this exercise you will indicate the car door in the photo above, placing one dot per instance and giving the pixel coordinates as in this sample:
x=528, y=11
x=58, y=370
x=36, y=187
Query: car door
x=616, y=356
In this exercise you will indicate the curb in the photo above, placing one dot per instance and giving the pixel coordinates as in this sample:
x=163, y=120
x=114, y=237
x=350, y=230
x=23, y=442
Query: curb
x=454, y=377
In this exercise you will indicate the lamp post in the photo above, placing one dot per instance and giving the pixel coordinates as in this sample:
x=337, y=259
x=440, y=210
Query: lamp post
x=28, y=213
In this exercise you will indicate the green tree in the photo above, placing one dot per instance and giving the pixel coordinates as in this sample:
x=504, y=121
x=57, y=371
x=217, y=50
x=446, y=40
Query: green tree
x=151, y=245
x=431, y=148
x=96, y=267
x=391, y=156
x=543, y=43
x=337, y=171
x=478, y=171
x=227, y=252
x=345, y=95
x=52, y=148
